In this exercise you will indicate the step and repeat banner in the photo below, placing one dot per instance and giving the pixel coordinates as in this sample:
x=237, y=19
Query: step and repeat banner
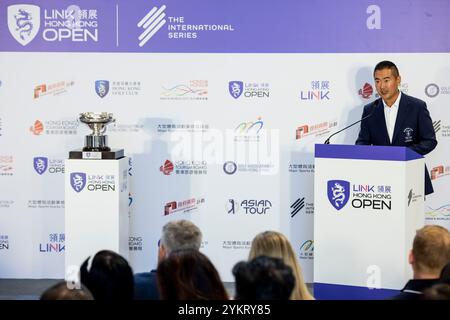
x=218, y=105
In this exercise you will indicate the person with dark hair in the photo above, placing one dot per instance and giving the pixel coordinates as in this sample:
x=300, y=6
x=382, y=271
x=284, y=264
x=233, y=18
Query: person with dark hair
x=430, y=253
x=396, y=119
x=263, y=278
x=176, y=235
x=445, y=274
x=440, y=291
x=108, y=276
x=189, y=275
x=61, y=291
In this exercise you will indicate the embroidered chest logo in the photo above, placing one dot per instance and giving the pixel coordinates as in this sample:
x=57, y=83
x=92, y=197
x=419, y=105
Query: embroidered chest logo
x=408, y=135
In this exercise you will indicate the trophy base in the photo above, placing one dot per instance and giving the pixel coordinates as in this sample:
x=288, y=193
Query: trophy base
x=112, y=154
x=99, y=149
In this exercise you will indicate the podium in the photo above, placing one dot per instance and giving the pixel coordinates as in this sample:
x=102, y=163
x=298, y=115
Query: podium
x=369, y=202
x=96, y=209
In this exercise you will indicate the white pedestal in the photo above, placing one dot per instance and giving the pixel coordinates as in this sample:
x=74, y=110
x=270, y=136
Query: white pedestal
x=363, y=236
x=96, y=208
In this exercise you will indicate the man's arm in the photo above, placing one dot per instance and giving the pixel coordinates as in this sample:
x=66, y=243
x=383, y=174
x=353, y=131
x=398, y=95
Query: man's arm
x=427, y=137
x=364, y=133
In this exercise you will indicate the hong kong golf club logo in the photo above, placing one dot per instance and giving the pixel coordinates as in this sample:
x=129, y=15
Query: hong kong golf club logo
x=78, y=181
x=338, y=193
x=102, y=88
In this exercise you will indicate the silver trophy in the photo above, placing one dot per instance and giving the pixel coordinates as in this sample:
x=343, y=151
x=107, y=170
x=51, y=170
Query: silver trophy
x=97, y=121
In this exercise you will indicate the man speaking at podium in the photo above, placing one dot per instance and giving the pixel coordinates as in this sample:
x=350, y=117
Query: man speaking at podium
x=397, y=119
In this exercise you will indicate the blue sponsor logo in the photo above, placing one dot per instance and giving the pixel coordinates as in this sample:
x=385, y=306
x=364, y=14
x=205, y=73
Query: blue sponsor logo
x=236, y=88
x=338, y=193
x=78, y=181
x=102, y=88
x=40, y=164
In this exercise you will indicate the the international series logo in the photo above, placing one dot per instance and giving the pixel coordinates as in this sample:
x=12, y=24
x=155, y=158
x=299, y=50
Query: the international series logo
x=151, y=23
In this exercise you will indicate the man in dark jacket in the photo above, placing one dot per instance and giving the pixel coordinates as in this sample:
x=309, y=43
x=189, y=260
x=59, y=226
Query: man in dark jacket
x=396, y=119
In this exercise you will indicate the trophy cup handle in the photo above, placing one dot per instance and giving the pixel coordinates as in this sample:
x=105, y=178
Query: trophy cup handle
x=103, y=130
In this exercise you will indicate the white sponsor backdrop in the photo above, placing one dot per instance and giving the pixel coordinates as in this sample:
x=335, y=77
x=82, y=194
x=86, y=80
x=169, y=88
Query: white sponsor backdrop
x=189, y=94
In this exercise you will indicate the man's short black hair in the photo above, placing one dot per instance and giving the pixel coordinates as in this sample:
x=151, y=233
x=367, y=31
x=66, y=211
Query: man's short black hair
x=387, y=65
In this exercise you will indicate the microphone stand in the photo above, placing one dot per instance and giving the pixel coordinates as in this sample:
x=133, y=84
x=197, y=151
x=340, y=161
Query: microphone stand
x=362, y=119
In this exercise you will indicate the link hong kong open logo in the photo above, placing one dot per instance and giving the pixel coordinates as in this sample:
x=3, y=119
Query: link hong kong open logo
x=78, y=181
x=40, y=164
x=338, y=193
x=23, y=22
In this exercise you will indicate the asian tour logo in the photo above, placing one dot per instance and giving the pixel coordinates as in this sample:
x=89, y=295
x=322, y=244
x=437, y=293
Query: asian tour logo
x=40, y=164
x=24, y=22
x=102, y=88
x=78, y=181
x=338, y=193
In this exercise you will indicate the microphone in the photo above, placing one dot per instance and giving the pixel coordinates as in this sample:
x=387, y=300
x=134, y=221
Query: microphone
x=375, y=104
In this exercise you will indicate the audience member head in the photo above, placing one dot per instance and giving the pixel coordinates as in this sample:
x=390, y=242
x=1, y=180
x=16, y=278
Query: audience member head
x=263, y=278
x=275, y=244
x=108, y=276
x=445, y=274
x=189, y=275
x=61, y=291
x=179, y=235
x=439, y=291
x=430, y=252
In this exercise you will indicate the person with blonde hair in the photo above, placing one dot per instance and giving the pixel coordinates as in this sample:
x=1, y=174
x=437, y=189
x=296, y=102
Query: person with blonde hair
x=275, y=244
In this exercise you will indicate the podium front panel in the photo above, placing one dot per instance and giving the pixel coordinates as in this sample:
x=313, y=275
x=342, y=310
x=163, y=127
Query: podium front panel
x=364, y=221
